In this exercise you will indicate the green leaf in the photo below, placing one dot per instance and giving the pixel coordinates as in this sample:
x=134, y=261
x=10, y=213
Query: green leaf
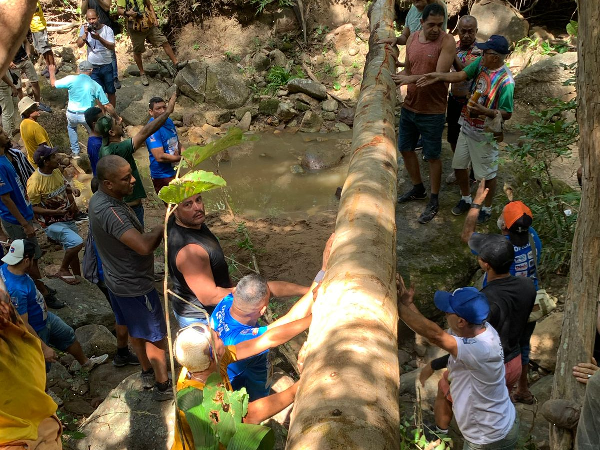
x=252, y=437
x=188, y=398
x=75, y=434
x=196, y=154
x=226, y=428
x=202, y=429
x=572, y=28
x=190, y=184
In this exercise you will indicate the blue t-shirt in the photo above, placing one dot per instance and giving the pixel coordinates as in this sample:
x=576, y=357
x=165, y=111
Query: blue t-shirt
x=165, y=137
x=25, y=297
x=251, y=373
x=523, y=265
x=93, y=149
x=11, y=184
x=83, y=92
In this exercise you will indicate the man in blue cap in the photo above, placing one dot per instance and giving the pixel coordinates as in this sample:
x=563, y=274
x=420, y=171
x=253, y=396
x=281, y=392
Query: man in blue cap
x=479, y=397
x=491, y=98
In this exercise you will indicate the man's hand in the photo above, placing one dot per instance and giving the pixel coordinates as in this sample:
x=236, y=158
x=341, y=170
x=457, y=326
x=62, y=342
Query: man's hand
x=95, y=35
x=405, y=296
x=481, y=193
x=14, y=91
x=29, y=230
x=327, y=251
x=130, y=13
x=475, y=109
x=425, y=374
x=427, y=79
x=171, y=104
x=49, y=353
x=584, y=371
x=391, y=41
x=59, y=212
x=400, y=79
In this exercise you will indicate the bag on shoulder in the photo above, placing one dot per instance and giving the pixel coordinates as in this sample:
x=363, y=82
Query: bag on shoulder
x=495, y=126
x=143, y=21
x=544, y=302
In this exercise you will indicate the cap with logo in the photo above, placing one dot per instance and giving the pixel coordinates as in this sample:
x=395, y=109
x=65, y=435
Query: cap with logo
x=15, y=253
x=467, y=302
x=497, y=43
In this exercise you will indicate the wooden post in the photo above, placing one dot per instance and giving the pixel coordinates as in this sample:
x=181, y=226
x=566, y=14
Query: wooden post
x=348, y=394
x=579, y=323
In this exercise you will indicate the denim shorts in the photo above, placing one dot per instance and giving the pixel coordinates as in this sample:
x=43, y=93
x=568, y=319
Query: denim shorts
x=187, y=321
x=104, y=76
x=65, y=233
x=429, y=126
x=143, y=315
x=57, y=333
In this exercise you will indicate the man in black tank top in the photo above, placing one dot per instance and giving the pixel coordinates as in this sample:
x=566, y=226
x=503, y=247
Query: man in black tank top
x=198, y=268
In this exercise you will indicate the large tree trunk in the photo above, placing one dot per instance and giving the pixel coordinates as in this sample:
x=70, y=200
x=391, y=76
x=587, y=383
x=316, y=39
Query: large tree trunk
x=348, y=394
x=579, y=324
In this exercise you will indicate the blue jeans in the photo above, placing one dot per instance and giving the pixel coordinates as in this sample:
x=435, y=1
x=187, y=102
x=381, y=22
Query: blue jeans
x=103, y=75
x=187, y=321
x=57, y=333
x=65, y=233
x=114, y=65
x=75, y=119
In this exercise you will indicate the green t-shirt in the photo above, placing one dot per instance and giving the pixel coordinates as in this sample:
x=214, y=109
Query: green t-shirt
x=125, y=150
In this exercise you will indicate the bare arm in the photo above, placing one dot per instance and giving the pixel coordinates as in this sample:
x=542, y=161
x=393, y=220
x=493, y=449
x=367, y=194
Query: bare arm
x=194, y=264
x=266, y=407
x=160, y=155
x=143, y=243
x=286, y=289
x=48, y=212
x=152, y=127
x=302, y=308
x=447, y=55
x=84, y=7
x=10, y=205
x=105, y=4
x=471, y=220
x=8, y=80
x=271, y=338
x=49, y=353
x=15, y=17
x=107, y=44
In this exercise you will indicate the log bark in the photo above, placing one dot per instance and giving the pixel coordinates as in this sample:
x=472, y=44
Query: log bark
x=579, y=323
x=348, y=393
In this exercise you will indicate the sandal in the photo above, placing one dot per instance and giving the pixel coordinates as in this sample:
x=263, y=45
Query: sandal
x=69, y=279
x=528, y=399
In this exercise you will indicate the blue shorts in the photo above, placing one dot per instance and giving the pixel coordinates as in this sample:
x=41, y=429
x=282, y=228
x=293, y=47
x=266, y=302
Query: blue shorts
x=143, y=315
x=187, y=321
x=57, y=333
x=65, y=233
x=429, y=126
x=104, y=76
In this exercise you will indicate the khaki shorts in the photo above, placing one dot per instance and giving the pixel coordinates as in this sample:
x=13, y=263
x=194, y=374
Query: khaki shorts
x=482, y=155
x=40, y=42
x=26, y=67
x=16, y=232
x=49, y=432
x=153, y=35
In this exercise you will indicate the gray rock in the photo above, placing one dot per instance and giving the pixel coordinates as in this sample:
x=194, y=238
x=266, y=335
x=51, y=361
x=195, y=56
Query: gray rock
x=346, y=115
x=260, y=61
x=285, y=20
x=318, y=158
x=136, y=113
x=328, y=115
x=329, y=105
x=241, y=112
x=403, y=357
x=542, y=389
x=296, y=169
x=499, y=17
x=268, y=106
x=96, y=340
x=309, y=87
x=78, y=407
x=342, y=37
x=106, y=377
x=67, y=54
x=285, y=112
x=225, y=86
x=341, y=127
x=301, y=106
x=57, y=373
x=311, y=122
x=545, y=341
x=244, y=124
x=85, y=304
x=132, y=70
x=192, y=80
x=306, y=99
x=277, y=58
x=217, y=117
x=408, y=383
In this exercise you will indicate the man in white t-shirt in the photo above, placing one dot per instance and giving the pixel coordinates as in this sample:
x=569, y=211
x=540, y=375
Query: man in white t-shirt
x=481, y=404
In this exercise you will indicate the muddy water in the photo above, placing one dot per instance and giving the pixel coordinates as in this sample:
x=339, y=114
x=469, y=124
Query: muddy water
x=260, y=182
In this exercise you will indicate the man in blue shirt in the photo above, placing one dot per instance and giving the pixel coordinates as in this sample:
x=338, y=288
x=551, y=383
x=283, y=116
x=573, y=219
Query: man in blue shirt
x=163, y=146
x=83, y=94
x=95, y=139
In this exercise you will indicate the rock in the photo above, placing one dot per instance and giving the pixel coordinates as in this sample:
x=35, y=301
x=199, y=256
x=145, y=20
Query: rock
x=285, y=112
x=301, y=106
x=241, y=112
x=499, y=17
x=285, y=21
x=96, y=340
x=67, y=54
x=68, y=68
x=195, y=136
x=128, y=418
x=192, y=80
x=106, y=377
x=78, y=407
x=75, y=366
x=268, y=106
x=329, y=105
x=353, y=51
x=346, y=115
x=541, y=34
x=136, y=114
x=217, y=117
x=542, y=389
x=408, y=382
x=244, y=124
x=57, y=373
x=403, y=357
x=311, y=122
x=277, y=58
x=347, y=61
x=80, y=386
x=152, y=69
x=341, y=127
x=342, y=37
x=225, y=86
x=260, y=61
x=309, y=87
x=545, y=341
x=85, y=304
x=318, y=158
x=132, y=70
x=303, y=98
x=296, y=169
x=328, y=115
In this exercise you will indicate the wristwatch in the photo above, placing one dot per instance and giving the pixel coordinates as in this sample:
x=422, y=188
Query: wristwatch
x=475, y=205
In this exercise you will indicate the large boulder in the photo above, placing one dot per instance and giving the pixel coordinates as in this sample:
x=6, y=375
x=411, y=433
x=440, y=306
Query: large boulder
x=318, y=158
x=309, y=87
x=225, y=86
x=545, y=341
x=192, y=80
x=499, y=17
x=96, y=340
x=106, y=377
x=311, y=122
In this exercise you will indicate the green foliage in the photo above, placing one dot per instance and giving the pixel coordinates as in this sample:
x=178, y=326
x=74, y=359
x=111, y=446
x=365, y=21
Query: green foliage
x=337, y=86
x=542, y=47
x=215, y=418
x=573, y=28
x=190, y=184
x=194, y=155
x=321, y=29
x=278, y=77
x=554, y=207
x=69, y=421
x=262, y=4
x=412, y=436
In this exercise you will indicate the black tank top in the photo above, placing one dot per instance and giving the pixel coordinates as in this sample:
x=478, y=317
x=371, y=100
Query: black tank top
x=179, y=237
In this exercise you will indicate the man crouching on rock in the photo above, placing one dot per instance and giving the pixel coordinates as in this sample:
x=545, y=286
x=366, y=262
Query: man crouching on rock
x=198, y=268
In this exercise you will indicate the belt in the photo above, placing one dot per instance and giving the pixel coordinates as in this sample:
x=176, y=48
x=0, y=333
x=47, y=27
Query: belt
x=75, y=112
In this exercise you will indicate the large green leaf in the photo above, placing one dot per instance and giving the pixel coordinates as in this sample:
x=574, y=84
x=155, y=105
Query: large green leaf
x=238, y=401
x=252, y=437
x=196, y=154
x=226, y=428
x=188, y=398
x=202, y=430
x=190, y=184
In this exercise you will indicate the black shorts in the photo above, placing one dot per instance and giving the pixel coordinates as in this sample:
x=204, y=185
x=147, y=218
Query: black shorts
x=455, y=106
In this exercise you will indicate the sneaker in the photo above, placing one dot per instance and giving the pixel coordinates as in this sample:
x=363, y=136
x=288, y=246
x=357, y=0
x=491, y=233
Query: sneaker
x=51, y=290
x=144, y=79
x=121, y=361
x=53, y=302
x=411, y=195
x=161, y=396
x=430, y=211
x=148, y=379
x=94, y=361
x=461, y=208
x=483, y=216
x=117, y=83
x=44, y=108
x=433, y=435
x=55, y=397
x=451, y=178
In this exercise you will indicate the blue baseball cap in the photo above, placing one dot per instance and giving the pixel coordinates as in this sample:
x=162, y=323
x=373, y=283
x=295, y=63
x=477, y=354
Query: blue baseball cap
x=497, y=43
x=467, y=302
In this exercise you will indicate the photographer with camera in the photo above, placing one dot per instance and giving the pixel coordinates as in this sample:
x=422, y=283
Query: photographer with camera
x=142, y=26
x=100, y=41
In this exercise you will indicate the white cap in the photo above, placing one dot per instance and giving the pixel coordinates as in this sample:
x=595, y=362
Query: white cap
x=15, y=253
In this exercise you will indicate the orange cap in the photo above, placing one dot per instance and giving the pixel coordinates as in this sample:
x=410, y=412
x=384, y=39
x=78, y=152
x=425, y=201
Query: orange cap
x=514, y=211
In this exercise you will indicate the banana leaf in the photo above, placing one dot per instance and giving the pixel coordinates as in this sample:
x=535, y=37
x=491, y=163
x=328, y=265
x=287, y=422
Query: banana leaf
x=202, y=430
x=190, y=184
x=194, y=155
x=188, y=398
x=252, y=437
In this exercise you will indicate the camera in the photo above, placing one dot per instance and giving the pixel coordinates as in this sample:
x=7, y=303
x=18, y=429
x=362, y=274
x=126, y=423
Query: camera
x=92, y=26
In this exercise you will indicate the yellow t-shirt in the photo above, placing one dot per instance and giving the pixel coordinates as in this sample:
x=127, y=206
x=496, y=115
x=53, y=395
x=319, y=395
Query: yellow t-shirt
x=38, y=22
x=33, y=134
x=140, y=4
x=184, y=381
x=23, y=404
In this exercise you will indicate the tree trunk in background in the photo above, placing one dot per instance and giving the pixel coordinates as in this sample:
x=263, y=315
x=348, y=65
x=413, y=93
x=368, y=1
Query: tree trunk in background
x=348, y=394
x=579, y=324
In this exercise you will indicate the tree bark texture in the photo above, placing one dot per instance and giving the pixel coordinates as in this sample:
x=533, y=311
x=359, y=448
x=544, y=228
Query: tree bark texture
x=579, y=323
x=348, y=393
